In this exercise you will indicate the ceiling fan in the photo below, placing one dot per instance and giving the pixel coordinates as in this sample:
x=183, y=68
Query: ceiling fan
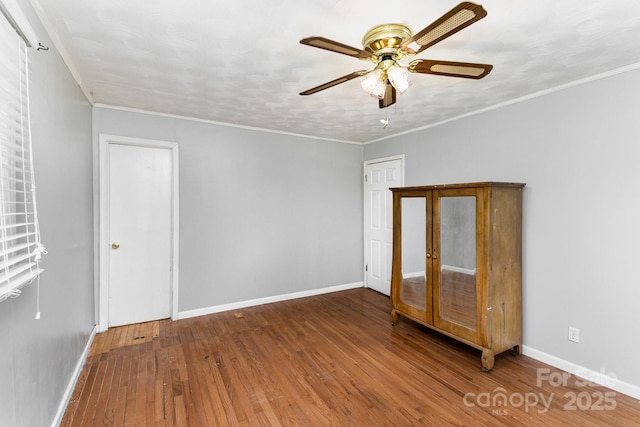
x=385, y=45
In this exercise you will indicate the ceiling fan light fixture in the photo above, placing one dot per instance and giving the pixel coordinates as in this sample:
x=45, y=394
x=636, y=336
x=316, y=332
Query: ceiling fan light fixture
x=399, y=78
x=374, y=83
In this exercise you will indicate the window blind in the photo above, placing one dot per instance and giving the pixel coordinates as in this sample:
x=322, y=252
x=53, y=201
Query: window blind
x=20, y=247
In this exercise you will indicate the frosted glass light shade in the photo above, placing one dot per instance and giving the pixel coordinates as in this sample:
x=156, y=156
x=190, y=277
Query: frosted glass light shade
x=399, y=78
x=373, y=83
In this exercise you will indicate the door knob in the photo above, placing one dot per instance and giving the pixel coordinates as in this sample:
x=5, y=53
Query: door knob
x=114, y=245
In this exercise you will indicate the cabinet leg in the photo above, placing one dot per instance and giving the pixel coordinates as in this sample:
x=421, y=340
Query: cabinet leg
x=394, y=318
x=516, y=350
x=488, y=360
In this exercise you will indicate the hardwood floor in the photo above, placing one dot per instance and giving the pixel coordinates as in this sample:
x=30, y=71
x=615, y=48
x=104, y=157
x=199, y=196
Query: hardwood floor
x=414, y=292
x=332, y=359
x=458, y=298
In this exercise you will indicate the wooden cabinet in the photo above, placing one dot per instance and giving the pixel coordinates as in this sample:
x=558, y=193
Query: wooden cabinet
x=457, y=262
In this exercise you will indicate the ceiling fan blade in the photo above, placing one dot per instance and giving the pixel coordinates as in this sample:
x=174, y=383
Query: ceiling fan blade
x=333, y=46
x=334, y=82
x=456, y=19
x=389, y=96
x=467, y=70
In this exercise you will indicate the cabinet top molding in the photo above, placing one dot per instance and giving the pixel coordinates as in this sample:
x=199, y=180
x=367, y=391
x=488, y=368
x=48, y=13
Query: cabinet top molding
x=465, y=185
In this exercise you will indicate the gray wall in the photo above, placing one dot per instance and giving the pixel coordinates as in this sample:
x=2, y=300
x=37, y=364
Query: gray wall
x=458, y=232
x=578, y=151
x=38, y=356
x=261, y=214
x=414, y=236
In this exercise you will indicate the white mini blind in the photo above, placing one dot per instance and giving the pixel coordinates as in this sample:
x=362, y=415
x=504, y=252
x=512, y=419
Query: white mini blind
x=20, y=247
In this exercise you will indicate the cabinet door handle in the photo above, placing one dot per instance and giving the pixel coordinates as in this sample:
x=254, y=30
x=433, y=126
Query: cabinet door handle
x=429, y=253
x=434, y=254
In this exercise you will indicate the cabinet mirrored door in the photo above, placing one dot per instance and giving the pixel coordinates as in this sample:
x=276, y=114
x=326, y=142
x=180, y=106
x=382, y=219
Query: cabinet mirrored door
x=413, y=290
x=456, y=290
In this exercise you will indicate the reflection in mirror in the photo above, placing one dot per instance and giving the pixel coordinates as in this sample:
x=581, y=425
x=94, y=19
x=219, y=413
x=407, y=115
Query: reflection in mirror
x=457, y=301
x=413, y=290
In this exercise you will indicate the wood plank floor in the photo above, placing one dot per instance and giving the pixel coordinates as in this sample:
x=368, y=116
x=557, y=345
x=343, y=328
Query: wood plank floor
x=328, y=360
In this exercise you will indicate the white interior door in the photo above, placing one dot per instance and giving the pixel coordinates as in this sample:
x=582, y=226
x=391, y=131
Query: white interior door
x=380, y=175
x=139, y=240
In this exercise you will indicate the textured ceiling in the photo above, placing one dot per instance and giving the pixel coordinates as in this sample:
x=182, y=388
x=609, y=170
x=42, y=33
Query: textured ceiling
x=239, y=62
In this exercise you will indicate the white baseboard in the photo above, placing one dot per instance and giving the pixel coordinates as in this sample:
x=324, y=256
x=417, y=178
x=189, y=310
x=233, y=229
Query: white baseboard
x=74, y=379
x=458, y=269
x=267, y=300
x=606, y=379
x=413, y=274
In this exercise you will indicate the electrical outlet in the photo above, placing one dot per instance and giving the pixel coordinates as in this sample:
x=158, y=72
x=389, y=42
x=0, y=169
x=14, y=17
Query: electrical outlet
x=574, y=334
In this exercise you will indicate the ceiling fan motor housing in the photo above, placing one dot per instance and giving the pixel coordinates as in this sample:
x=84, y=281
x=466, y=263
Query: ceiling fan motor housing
x=386, y=39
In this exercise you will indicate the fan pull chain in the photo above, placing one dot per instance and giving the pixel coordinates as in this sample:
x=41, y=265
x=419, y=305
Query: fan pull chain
x=385, y=121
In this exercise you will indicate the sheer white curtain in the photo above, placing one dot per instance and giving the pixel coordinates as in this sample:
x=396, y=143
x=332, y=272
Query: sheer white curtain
x=20, y=247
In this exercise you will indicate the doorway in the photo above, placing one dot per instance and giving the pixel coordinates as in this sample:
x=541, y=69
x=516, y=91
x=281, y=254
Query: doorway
x=379, y=176
x=138, y=244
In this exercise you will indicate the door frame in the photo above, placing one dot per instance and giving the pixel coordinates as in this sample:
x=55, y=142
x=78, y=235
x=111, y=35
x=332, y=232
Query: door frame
x=103, y=286
x=365, y=234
